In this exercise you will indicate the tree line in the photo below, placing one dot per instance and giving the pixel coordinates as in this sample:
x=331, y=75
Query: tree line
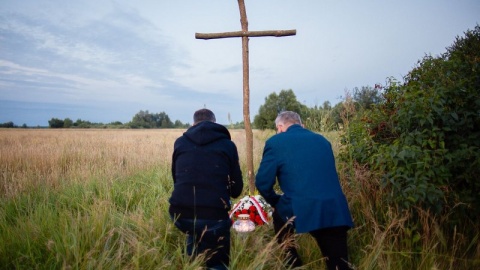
x=318, y=118
x=141, y=120
x=10, y=124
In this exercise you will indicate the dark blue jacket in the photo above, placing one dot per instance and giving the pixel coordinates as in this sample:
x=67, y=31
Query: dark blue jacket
x=206, y=173
x=304, y=164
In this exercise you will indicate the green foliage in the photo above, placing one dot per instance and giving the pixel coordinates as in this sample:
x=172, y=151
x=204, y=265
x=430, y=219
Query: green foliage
x=83, y=124
x=107, y=223
x=336, y=114
x=7, y=125
x=319, y=118
x=361, y=100
x=425, y=135
x=67, y=123
x=120, y=223
x=55, y=123
x=87, y=124
x=274, y=104
x=366, y=97
x=144, y=119
x=237, y=125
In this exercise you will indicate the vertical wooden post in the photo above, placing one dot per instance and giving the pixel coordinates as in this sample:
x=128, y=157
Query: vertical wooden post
x=246, y=98
x=245, y=34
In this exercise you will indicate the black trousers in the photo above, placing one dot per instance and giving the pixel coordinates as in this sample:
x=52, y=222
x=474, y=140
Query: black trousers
x=331, y=241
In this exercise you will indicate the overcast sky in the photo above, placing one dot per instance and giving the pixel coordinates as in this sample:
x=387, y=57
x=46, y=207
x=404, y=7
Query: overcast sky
x=104, y=61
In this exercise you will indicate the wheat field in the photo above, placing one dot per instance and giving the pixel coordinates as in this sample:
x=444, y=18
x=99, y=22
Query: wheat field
x=52, y=157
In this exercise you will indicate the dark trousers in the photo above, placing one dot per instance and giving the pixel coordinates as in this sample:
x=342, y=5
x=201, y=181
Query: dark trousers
x=331, y=241
x=210, y=237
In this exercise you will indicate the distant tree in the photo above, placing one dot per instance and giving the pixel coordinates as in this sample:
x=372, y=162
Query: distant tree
x=164, y=120
x=55, y=123
x=7, y=125
x=274, y=104
x=82, y=124
x=179, y=124
x=145, y=119
x=363, y=98
x=165, y=123
x=67, y=123
x=238, y=125
x=366, y=96
x=140, y=120
x=327, y=105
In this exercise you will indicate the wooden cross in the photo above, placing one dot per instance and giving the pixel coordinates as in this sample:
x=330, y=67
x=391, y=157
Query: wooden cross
x=245, y=34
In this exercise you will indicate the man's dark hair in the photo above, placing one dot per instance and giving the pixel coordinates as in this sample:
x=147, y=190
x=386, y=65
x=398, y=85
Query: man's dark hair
x=203, y=115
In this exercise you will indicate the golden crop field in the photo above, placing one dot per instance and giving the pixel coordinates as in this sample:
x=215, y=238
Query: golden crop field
x=51, y=157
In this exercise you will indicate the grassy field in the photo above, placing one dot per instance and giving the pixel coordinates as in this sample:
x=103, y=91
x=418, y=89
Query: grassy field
x=98, y=199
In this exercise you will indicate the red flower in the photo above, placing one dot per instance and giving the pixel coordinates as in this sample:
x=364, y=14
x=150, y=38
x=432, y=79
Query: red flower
x=258, y=220
x=255, y=215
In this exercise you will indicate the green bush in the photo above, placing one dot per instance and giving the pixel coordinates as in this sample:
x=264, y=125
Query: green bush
x=424, y=137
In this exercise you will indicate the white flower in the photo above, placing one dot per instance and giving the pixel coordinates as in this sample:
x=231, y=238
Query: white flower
x=261, y=210
x=247, y=205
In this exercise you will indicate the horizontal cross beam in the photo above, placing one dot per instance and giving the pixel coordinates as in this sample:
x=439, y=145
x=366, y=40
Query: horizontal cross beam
x=272, y=33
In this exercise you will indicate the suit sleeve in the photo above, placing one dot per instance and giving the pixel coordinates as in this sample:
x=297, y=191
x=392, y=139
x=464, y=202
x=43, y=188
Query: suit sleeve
x=267, y=174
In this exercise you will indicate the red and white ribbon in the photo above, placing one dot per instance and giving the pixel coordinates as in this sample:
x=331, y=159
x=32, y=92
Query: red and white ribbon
x=255, y=203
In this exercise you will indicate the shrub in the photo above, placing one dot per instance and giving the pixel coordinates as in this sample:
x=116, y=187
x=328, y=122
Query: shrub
x=425, y=136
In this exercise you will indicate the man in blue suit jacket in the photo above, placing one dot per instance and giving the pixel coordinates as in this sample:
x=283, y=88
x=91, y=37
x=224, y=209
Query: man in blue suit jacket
x=312, y=201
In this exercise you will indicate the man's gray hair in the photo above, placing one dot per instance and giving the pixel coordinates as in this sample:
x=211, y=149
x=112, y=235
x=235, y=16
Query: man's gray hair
x=203, y=115
x=288, y=118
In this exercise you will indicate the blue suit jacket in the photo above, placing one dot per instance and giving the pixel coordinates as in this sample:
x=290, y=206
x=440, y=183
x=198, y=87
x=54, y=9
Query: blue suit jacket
x=303, y=163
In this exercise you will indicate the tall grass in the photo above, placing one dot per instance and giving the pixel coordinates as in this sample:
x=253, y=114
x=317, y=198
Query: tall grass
x=98, y=199
x=30, y=158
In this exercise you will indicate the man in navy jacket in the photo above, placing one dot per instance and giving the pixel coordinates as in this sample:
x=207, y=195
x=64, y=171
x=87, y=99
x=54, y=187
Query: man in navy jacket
x=206, y=173
x=312, y=201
